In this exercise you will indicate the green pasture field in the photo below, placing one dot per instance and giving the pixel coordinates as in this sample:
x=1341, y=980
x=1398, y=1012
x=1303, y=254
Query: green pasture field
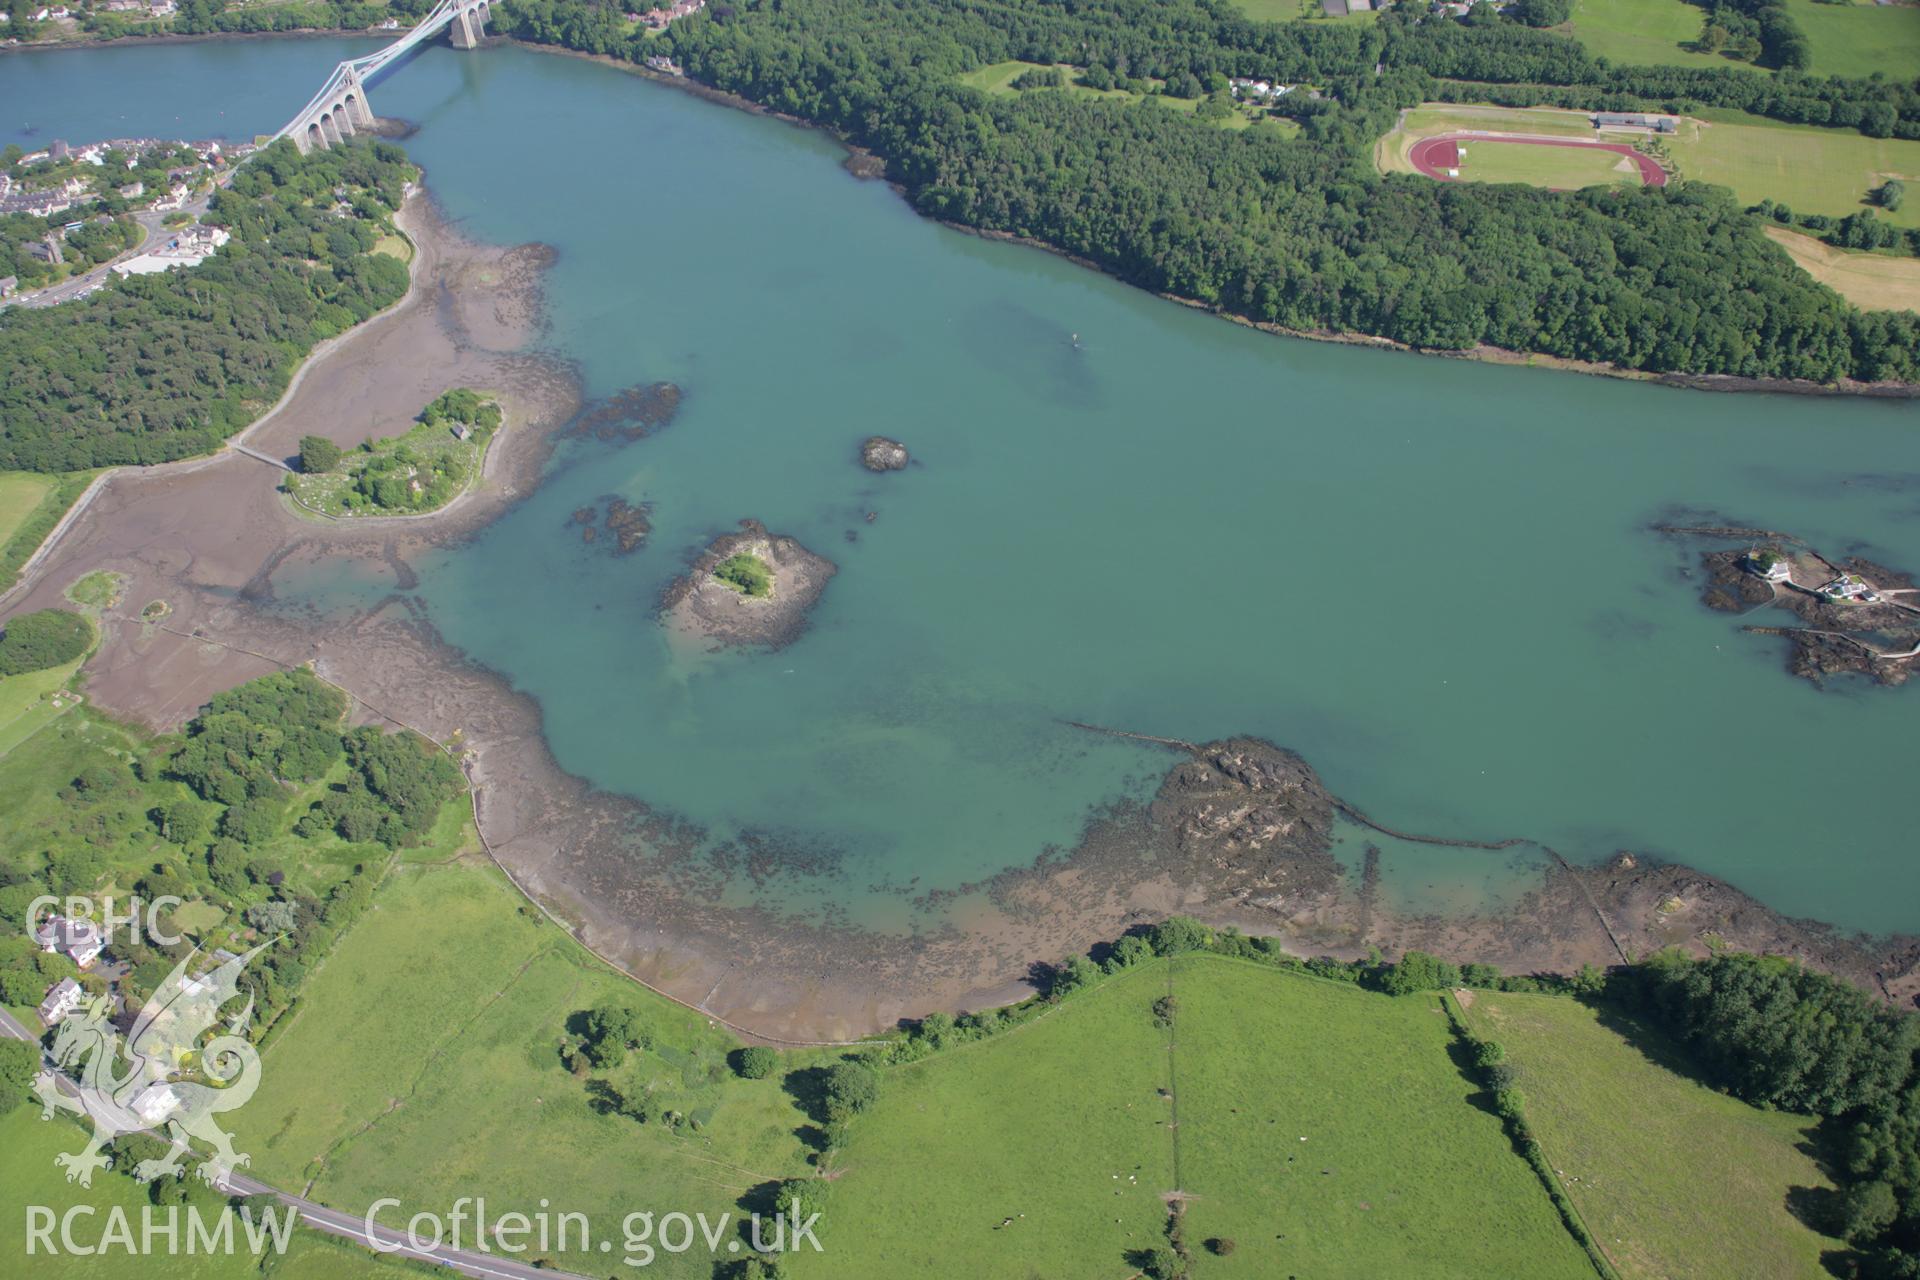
x=26, y=703
x=1672, y=1178
x=28, y=1176
x=21, y=493
x=423, y=1063
x=1561, y=168
x=998, y=78
x=30, y=505
x=1641, y=33
x=1854, y=40
x=1860, y=39
x=1811, y=170
x=1066, y=1126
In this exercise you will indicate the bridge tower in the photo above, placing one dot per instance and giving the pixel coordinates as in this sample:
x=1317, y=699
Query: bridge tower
x=341, y=110
x=469, y=26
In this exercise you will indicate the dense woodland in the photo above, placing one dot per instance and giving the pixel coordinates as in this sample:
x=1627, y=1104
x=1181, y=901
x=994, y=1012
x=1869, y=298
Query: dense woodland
x=158, y=367
x=1303, y=232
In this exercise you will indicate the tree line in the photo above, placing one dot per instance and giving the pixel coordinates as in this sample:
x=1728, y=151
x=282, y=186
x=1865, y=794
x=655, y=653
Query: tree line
x=1300, y=233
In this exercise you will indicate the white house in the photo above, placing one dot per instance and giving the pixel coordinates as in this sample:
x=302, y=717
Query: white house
x=1770, y=565
x=1849, y=587
x=63, y=997
x=80, y=939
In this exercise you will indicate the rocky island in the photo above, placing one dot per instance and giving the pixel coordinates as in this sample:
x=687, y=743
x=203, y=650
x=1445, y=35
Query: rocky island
x=747, y=588
x=877, y=453
x=1858, y=617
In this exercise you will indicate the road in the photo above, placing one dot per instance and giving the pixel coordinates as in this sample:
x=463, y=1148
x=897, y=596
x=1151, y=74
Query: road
x=484, y=1266
x=152, y=226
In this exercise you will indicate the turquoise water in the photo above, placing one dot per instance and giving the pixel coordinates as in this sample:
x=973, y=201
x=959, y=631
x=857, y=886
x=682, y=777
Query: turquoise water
x=1433, y=579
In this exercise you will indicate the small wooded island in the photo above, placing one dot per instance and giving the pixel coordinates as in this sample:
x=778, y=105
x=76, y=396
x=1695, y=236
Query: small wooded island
x=747, y=588
x=421, y=471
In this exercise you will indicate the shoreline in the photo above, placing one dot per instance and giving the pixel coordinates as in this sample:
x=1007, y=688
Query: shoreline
x=197, y=37
x=636, y=885
x=1482, y=354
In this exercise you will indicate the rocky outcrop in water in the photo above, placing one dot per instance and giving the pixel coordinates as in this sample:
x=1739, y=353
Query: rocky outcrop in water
x=1836, y=637
x=1249, y=817
x=632, y=414
x=877, y=453
x=702, y=606
x=626, y=526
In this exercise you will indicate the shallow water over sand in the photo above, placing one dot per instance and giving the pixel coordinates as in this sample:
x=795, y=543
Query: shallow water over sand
x=1433, y=579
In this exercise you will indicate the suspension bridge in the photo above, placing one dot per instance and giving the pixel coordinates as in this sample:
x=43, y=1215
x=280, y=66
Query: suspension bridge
x=340, y=109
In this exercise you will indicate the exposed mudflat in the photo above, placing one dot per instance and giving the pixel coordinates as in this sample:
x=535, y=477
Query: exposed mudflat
x=1239, y=832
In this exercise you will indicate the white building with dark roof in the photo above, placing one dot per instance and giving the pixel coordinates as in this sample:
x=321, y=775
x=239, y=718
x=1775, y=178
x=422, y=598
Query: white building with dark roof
x=63, y=997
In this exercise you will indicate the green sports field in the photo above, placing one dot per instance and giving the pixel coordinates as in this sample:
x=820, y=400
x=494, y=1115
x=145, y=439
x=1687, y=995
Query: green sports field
x=1810, y=170
x=1561, y=168
x=1672, y=1178
x=1067, y=1126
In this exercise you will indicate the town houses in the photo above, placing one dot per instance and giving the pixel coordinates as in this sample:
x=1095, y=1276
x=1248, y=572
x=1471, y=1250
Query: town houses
x=1259, y=90
x=657, y=19
x=186, y=247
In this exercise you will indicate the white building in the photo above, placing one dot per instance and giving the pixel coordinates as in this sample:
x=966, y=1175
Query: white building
x=1851, y=587
x=79, y=939
x=192, y=246
x=1770, y=565
x=155, y=1103
x=63, y=997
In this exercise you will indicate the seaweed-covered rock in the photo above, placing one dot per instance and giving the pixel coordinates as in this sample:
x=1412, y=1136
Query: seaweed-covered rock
x=1242, y=798
x=877, y=453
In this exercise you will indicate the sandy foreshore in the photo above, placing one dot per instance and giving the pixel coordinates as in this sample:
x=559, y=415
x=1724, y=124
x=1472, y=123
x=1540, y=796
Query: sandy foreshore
x=208, y=537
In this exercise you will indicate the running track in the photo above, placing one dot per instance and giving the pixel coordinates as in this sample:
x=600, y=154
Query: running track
x=1434, y=156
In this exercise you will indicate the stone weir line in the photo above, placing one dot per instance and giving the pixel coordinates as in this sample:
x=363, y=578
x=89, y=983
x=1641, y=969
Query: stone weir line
x=340, y=109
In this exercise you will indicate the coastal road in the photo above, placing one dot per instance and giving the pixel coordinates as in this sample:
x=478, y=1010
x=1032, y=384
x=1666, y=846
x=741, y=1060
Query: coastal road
x=152, y=226
x=483, y=1266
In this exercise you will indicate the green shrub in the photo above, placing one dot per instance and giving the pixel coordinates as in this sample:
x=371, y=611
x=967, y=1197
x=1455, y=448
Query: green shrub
x=747, y=574
x=851, y=1088
x=1418, y=971
x=37, y=641
x=755, y=1062
x=1179, y=933
x=318, y=454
